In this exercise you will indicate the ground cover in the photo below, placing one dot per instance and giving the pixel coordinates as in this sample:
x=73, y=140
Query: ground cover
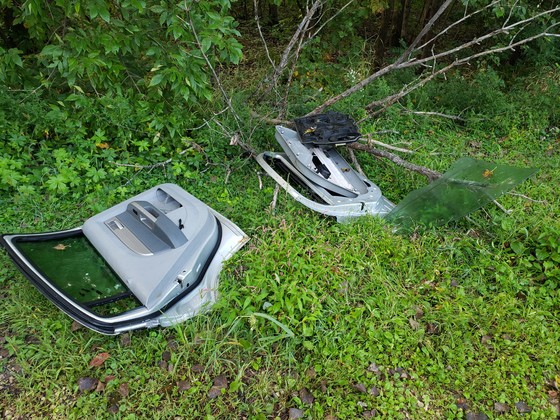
x=316, y=319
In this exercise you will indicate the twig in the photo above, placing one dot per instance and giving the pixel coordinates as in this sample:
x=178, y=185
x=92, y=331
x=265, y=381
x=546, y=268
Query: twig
x=406, y=60
x=158, y=164
x=226, y=97
x=428, y=173
x=435, y=114
x=260, y=180
x=300, y=31
x=528, y=198
x=275, y=197
x=379, y=132
x=371, y=141
x=355, y=162
x=339, y=11
x=502, y=208
x=257, y=20
x=272, y=121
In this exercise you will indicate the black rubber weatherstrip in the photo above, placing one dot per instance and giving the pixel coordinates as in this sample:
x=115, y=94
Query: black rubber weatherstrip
x=82, y=315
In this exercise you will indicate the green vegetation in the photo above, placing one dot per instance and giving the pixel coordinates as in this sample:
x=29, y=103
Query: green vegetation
x=315, y=318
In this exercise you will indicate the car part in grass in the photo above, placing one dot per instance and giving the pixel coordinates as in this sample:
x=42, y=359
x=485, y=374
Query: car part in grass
x=314, y=173
x=152, y=260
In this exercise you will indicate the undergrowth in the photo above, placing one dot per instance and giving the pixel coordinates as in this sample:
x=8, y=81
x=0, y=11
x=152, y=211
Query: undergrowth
x=341, y=320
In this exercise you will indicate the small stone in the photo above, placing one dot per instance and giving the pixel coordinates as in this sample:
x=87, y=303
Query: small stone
x=295, y=413
x=305, y=396
x=220, y=381
x=166, y=356
x=360, y=388
x=415, y=325
x=310, y=373
x=462, y=404
x=183, y=386
x=214, y=392
x=476, y=416
x=76, y=326
x=125, y=340
x=522, y=407
x=373, y=368
x=197, y=368
x=501, y=407
x=113, y=409
x=123, y=389
x=87, y=384
x=374, y=391
x=485, y=339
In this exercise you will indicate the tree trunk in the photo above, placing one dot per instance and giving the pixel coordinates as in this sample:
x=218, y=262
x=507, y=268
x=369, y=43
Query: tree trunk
x=384, y=38
x=273, y=14
x=402, y=24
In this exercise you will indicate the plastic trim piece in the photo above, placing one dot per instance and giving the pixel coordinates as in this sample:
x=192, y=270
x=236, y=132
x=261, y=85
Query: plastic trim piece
x=345, y=209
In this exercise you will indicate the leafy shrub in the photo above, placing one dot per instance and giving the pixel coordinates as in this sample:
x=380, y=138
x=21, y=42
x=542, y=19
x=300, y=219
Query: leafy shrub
x=99, y=46
x=73, y=145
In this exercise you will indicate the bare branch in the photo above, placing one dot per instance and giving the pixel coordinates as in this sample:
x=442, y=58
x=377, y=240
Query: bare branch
x=429, y=173
x=226, y=97
x=528, y=198
x=355, y=162
x=389, y=100
x=456, y=23
x=371, y=141
x=299, y=33
x=406, y=61
x=424, y=31
x=483, y=38
x=272, y=121
x=257, y=20
x=330, y=19
x=435, y=114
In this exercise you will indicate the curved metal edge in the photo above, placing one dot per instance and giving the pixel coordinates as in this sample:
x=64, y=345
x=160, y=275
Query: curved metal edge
x=342, y=212
x=201, y=300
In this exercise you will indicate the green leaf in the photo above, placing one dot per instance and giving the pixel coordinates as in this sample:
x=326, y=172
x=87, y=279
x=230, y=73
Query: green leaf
x=156, y=80
x=517, y=247
x=206, y=44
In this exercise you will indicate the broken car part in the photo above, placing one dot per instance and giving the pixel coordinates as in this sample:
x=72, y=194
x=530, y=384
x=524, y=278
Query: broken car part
x=152, y=260
x=314, y=173
x=310, y=161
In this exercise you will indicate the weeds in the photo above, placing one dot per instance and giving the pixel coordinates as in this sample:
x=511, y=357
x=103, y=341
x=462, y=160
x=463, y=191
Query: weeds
x=343, y=320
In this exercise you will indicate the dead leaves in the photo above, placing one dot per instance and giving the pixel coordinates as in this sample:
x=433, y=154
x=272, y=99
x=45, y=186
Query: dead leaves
x=99, y=359
x=220, y=383
x=487, y=173
x=87, y=384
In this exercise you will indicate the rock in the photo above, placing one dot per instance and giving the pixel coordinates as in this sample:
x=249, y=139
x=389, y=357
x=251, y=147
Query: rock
x=295, y=413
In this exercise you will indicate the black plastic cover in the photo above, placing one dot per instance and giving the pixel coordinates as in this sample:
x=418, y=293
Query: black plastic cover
x=331, y=128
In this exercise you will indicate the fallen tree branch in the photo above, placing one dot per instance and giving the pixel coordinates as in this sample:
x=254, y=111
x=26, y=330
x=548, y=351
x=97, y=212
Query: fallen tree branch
x=355, y=162
x=408, y=59
x=371, y=141
x=272, y=121
x=435, y=114
x=422, y=170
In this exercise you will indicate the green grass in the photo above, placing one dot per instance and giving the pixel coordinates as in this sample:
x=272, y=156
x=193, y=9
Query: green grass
x=344, y=320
